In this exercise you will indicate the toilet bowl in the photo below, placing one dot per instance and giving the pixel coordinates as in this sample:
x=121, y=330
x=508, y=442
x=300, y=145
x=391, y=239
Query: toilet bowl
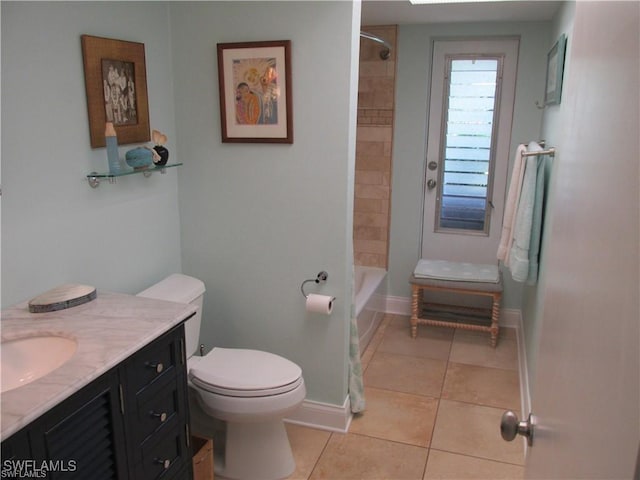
x=251, y=391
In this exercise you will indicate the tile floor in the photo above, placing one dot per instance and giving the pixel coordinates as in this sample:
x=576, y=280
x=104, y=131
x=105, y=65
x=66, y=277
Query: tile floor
x=433, y=411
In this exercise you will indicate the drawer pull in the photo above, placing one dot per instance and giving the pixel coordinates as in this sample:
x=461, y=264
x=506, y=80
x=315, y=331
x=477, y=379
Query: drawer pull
x=158, y=367
x=165, y=463
x=161, y=416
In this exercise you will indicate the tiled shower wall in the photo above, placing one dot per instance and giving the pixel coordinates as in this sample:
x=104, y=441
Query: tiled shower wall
x=376, y=92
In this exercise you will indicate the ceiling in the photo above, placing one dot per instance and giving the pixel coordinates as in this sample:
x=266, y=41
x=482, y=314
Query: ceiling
x=391, y=12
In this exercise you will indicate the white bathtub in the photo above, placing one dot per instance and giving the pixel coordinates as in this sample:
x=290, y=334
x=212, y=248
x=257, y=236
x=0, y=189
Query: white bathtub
x=368, y=290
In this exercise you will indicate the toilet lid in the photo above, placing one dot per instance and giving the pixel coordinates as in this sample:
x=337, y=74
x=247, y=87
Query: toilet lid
x=245, y=373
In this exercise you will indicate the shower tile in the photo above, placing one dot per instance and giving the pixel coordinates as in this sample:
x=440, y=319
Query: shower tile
x=473, y=348
x=396, y=416
x=474, y=430
x=404, y=373
x=431, y=342
x=307, y=445
x=354, y=456
x=450, y=466
x=493, y=387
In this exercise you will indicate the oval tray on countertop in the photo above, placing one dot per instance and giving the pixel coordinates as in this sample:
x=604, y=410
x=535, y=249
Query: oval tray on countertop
x=64, y=296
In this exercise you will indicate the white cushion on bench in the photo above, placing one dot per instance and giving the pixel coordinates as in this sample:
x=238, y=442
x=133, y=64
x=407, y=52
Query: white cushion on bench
x=457, y=271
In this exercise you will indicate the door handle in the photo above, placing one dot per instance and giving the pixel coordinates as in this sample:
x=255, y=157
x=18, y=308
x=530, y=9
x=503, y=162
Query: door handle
x=510, y=426
x=431, y=184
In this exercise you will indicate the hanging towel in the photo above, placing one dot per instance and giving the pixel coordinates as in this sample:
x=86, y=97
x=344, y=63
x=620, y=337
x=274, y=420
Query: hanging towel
x=519, y=253
x=511, y=205
x=536, y=226
x=356, y=384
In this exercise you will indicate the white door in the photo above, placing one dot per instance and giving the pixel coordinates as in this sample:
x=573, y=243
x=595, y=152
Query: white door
x=586, y=397
x=471, y=107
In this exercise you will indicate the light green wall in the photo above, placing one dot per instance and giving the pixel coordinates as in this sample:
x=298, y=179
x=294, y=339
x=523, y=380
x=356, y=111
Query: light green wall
x=55, y=228
x=252, y=221
x=409, y=144
x=553, y=121
x=258, y=219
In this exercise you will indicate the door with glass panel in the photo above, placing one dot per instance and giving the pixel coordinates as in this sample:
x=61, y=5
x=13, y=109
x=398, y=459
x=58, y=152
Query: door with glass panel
x=471, y=108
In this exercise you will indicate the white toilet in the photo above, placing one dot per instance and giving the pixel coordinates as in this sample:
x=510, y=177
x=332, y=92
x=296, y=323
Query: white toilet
x=250, y=390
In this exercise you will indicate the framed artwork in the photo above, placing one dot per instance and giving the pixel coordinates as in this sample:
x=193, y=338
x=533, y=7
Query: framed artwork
x=115, y=79
x=255, y=92
x=555, y=67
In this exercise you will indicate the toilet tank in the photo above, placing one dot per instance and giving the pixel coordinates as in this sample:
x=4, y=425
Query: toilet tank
x=182, y=289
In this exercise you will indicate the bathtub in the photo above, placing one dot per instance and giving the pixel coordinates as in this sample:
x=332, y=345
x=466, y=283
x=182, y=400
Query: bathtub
x=368, y=290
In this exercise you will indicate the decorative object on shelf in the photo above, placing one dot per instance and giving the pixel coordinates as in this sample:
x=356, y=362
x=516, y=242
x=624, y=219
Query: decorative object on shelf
x=113, y=157
x=140, y=157
x=160, y=139
x=116, y=86
x=255, y=92
x=555, y=68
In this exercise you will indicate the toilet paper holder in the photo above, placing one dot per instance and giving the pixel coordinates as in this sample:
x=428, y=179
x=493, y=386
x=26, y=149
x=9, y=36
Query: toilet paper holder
x=321, y=278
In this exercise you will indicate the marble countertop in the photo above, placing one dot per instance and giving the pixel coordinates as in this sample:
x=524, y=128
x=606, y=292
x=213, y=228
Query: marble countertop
x=107, y=330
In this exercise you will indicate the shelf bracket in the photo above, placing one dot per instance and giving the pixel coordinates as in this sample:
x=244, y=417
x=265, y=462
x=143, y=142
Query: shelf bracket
x=94, y=182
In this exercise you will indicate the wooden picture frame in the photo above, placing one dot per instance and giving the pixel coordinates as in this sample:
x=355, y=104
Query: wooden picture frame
x=254, y=79
x=555, y=68
x=115, y=78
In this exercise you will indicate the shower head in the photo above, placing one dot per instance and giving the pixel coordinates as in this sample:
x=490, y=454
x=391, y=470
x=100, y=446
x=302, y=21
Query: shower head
x=385, y=53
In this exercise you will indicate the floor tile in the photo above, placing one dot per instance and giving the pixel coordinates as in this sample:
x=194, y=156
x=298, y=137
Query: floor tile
x=307, y=445
x=354, y=456
x=451, y=466
x=405, y=373
x=473, y=348
x=494, y=387
x=397, y=416
x=431, y=342
x=474, y=430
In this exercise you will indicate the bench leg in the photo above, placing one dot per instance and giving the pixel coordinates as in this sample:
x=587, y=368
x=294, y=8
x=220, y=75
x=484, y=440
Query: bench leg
x=414, y=311
x=495, y=317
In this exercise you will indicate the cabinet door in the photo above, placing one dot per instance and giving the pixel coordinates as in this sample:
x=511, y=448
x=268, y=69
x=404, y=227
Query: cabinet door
x=83, y=437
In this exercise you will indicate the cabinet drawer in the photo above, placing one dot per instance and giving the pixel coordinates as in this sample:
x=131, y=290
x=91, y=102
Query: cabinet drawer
x=154, y=362
x=157, y=408
x=163, y=457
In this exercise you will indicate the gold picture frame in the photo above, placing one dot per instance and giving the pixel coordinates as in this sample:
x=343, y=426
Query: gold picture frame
x=255, y=92
x=115, y=78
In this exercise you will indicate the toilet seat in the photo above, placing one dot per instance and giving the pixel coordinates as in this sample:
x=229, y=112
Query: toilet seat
x=239, y=372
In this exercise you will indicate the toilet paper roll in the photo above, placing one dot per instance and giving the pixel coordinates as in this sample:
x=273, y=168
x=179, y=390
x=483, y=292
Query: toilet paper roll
x=320, y=303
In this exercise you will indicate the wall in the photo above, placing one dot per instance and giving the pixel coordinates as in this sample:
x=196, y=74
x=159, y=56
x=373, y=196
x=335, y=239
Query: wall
x=412, y=89
x=55, y=228
x=376, y=95
x=552, y=126
x=258, y=219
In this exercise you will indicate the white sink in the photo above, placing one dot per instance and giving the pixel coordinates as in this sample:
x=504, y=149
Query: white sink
x=26, y=359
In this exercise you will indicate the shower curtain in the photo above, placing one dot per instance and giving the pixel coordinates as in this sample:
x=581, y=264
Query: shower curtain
x=356, y=386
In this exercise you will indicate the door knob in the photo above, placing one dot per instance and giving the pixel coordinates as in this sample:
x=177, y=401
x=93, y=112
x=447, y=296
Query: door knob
x=431, y=184
x=510, y=426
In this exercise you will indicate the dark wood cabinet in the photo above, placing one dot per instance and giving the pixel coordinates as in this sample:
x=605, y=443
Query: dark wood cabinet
x=130, y=423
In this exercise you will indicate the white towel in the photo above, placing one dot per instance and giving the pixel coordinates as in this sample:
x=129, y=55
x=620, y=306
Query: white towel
x=511, y=205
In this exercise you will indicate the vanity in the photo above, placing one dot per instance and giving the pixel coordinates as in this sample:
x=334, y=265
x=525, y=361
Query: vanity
x=117, y=408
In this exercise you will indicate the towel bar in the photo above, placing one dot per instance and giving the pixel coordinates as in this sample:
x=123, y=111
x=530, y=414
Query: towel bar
x=551, y=152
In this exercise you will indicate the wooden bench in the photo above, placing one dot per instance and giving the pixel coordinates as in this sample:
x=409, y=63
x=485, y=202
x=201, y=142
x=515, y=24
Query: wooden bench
x=425, y=312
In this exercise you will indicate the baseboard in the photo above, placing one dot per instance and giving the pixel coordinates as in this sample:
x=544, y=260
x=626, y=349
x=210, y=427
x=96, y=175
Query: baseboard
x=323, y=416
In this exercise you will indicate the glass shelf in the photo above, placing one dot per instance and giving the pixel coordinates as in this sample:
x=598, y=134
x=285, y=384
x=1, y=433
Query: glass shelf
x=95, y=177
